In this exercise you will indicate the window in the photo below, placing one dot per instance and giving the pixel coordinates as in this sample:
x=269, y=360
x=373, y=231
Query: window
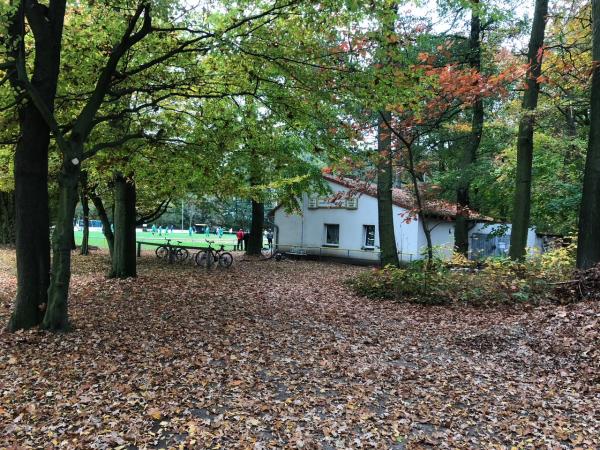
x=369, y=236
x=332, y=201
x=332, y=235
x=352, y=203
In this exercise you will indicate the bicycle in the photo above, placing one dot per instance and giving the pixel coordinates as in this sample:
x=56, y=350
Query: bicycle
x=267, y=252
x=208, y=256
x=167, y=251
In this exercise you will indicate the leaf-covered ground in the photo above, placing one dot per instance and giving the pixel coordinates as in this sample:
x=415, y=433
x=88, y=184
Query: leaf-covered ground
x=282, y=355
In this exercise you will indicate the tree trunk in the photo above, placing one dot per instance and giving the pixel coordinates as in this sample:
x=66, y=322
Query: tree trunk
x=461, y=226
x=85, y=240
x=385, y=207
x=73, y=243
x=419, y=201
x=124, y=252
x=56, y=317
x=32, y=222
x=106, y=229
x=522, y=197
x=7, y=218
x=588, y=245
x=256, y=229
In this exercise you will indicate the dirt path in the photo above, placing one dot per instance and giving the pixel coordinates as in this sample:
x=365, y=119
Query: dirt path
x=282, y=355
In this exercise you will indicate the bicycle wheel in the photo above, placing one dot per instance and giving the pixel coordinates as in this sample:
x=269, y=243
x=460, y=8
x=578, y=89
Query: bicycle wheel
x=225, y=259
x=198, y=258
x=204, y=259
x=162, y=252
x=181, y=254
x=267, y=252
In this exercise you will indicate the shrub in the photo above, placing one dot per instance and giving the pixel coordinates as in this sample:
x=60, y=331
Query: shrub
x=499, y=281
x=411, y=284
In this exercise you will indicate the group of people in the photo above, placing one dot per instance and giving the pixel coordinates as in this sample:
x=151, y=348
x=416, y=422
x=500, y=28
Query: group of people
x=168, y=229
x=244, y=236
x=218, y=231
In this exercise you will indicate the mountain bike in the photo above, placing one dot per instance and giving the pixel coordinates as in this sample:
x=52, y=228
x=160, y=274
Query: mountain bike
x=167, y=251
x=210, y=255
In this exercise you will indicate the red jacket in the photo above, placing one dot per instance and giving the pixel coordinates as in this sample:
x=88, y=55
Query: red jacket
x=240, y=235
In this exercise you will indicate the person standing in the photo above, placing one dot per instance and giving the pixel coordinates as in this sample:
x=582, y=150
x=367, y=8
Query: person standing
x=270, y=238
x=190, y=231
x=153, y=229
x=207, y=231
x=240, y=239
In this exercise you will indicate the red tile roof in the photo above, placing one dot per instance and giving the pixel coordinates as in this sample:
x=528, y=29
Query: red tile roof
x=406, y=199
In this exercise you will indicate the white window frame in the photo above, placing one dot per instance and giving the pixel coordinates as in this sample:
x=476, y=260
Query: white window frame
x=328, y=244
x=364, y=237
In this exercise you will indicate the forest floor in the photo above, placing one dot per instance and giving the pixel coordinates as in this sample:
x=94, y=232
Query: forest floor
x=282, y=355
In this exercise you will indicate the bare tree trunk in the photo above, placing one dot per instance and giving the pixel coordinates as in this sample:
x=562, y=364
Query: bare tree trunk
x=385, y=206
x=7, y=218
x=256, y=229
x=522, y=198
x=419, y=200
x=106, y=229
x=32, y=222
x=56, y=317
x=124, y=252
x=461, y=227
x=85, y=240
x=588, y=245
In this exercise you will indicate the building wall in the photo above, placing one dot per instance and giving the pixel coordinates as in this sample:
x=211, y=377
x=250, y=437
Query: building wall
x=308, y=230
x=442, y=237
x=289, y=228
x=534, y=242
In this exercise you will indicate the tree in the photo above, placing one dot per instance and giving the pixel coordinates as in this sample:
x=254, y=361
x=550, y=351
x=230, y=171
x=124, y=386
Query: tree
x=85, y=205
x=31, y=154
x=7, y=218
x=385, y=180
x=124, y=254
x=118, y=76
x=461, y=227
x=522, y=197
x=588, y=245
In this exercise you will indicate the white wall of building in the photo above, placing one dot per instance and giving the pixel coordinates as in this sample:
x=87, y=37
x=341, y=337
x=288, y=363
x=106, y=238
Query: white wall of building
x=307, y=230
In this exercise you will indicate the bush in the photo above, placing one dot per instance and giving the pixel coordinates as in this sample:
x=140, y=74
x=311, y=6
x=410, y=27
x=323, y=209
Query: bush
x=495, y=281
x=411, y=284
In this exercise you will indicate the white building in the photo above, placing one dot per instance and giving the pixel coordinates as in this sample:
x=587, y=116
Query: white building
x=345, y=224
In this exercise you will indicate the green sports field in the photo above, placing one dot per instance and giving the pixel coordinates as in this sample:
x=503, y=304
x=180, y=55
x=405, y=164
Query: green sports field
x=196, y=240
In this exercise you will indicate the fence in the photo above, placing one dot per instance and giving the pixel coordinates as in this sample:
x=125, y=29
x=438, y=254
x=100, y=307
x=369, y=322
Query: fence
x=345, y=253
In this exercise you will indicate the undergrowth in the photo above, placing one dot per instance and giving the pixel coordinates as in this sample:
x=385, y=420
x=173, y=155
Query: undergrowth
x=495, y=281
